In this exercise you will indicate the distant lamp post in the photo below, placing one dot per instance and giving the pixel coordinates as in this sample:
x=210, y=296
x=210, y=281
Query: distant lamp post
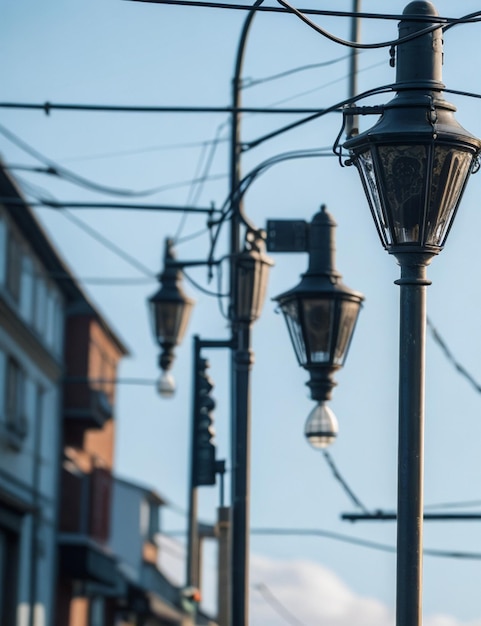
x=170, y=311
x=321, y=313
x=414, y=165
x=252, y=266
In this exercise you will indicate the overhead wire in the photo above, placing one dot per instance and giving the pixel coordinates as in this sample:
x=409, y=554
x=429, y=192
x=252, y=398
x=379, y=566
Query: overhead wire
x=349, y=539
x=337, y=475
x=329, y=84
x=196, y=189
x=338, y=107
x=277, y=605
x=247, y=83
x=35, y=191
x=55, y=169
x=451, y=358
x=135, y=151
x=454, y=505
x=107, y=243
x=244, y=184
x=308, y=11
x=364, y=543
x=354, y=44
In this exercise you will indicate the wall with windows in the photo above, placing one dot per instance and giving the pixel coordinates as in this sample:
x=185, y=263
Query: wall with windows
x=135, y=526
x=27, y=289
x=31, y=345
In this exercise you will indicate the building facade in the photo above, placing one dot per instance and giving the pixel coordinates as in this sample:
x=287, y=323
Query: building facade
x=77, y=546
x=32, y=314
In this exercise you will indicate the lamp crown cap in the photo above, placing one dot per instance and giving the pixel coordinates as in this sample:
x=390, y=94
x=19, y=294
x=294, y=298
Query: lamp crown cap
x=420, y=7
x=323, y=217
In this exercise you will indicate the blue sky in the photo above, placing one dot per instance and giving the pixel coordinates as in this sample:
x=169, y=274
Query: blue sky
x=121, y=52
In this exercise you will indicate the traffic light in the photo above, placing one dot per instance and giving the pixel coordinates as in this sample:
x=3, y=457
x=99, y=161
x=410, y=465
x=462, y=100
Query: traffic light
x=203, y=459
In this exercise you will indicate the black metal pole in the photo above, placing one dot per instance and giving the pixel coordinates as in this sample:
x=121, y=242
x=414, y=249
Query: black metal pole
x=352, y=123
x=413, y=285
x=193, y=530
x=241, y=362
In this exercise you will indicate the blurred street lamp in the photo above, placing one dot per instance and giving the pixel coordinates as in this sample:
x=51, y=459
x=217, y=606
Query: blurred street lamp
x=321, y=313
x=414, y=165
x=170, y=311
x=252, y=265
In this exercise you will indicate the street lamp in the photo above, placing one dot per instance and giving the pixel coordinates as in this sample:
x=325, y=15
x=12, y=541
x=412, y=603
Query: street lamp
x=321, y=313
x=170, y=311
x=414, y=165
x=252, y=267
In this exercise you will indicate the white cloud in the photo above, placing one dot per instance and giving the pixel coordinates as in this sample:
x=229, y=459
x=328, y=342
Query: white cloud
x=313, y=595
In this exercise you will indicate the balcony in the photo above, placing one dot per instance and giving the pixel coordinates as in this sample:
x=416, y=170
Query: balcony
x=87, y=408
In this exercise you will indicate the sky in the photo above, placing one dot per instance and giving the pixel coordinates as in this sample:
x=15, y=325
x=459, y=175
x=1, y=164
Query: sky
x=119, y=52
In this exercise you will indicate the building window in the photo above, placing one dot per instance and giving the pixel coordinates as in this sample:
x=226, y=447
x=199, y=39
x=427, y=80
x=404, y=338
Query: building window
x=40, y=312
x=26, y=289
x=14, y=266
x=149, y=520
x=15, y=395
x=97, y=611
x=8, y=574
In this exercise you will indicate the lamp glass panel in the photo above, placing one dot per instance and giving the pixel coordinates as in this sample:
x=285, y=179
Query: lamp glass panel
x=171, y=320
x=451, y=169
x=347, y=320
x=366, y=170
x=291, y=314
x=318, y=326
x=246, y=283
x=252, y=279
x=405, y=175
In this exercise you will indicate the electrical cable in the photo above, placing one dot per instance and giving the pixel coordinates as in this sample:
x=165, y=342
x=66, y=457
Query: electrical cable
x=107, y=243
x=247, y=83
x=310, y=11
x=196, y=188
x=245, y=183
x=191, y=236
x=352, y=496
x=60, y=205
x=55, y=169
x=332, y=109
x=203, y=289
x=454, y=505
x=110, y=108
x=449, y=355
x=470, y=18
x=364, y=543
x=356, y=541
x=276, y=605
x=147, y=192
x=135, y=151
x=332, y=82
x=105, y=281
x=73, y=380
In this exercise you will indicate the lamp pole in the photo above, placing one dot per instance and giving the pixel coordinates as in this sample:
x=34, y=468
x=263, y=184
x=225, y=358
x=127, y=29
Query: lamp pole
x=242, y=359
x=414, y=165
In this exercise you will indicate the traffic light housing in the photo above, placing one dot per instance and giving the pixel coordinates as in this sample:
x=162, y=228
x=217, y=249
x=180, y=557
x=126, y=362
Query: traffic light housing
x=203, y=458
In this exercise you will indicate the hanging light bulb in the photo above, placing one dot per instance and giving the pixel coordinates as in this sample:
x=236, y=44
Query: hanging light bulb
x=321, y=427
x=166, y=385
